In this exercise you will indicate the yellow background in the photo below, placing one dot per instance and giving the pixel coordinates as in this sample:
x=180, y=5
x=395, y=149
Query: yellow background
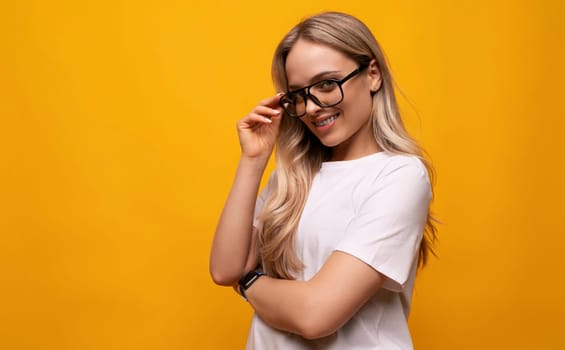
x=118, y=147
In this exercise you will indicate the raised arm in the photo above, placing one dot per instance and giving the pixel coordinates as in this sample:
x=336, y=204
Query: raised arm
x=232, y=249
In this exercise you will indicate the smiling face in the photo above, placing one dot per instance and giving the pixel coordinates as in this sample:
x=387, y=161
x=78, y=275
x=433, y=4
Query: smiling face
x=346, y=127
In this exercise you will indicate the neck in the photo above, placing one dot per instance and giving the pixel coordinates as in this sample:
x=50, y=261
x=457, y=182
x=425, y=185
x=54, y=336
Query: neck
x=341, y=153
x=357, y=146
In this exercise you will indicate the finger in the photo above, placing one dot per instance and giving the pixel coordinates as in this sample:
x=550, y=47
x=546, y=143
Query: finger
x=272, y=101
x=267, y=111
x=252, y=119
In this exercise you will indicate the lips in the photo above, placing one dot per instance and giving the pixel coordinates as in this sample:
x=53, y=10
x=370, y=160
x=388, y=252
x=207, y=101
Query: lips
x=325, y=121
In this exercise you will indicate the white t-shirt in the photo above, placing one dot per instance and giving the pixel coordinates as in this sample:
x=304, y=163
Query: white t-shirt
x=373, y=208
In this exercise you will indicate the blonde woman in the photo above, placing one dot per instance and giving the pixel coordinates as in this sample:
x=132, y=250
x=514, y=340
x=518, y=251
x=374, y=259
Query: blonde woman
x=328, y=252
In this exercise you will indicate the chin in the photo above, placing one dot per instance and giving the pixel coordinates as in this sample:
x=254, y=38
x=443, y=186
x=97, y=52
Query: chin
x=330, y=142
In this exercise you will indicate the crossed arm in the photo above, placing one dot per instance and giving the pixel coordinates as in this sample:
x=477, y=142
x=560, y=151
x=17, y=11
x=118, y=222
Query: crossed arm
x=313, y=308
x=320, y=306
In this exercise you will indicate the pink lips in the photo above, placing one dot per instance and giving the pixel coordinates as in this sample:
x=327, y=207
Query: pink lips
x=327, y=123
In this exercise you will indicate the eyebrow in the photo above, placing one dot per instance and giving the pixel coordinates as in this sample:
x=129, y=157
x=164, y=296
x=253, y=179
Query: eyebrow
x=314, y=79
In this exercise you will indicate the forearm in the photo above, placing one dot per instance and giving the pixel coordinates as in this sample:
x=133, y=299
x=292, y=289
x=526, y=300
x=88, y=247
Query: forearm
x=320, y=306
x=282, y=304
x=293, y=306
x=232, y=240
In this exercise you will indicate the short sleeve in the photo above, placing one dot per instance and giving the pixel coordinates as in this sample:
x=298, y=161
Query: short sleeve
x=262, y=198
x=390, y=218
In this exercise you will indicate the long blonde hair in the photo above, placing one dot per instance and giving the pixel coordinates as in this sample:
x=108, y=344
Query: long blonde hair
x=299, y=154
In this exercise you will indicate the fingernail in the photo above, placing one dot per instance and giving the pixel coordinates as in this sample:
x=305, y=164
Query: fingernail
x=277, y=112
x=267, y=120
x=280, y=93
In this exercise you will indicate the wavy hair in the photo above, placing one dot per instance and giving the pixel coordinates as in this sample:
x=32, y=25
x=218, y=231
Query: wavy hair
x=299, y=153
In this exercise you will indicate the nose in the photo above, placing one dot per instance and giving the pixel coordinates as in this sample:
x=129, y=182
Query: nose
x=311, y=107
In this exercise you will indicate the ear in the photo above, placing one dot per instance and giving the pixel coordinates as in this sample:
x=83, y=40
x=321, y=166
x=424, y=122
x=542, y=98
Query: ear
x=375, y=80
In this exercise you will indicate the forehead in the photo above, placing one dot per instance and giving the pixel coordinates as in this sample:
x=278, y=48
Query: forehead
x=306, y=59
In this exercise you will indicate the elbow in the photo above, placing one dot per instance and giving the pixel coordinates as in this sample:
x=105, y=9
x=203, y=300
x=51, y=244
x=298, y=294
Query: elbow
x=222, y=280
x=223, y=277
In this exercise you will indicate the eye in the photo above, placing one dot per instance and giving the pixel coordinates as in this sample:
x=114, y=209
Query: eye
x=326, y=85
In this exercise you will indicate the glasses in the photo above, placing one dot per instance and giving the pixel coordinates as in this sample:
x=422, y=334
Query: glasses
x=325, y=93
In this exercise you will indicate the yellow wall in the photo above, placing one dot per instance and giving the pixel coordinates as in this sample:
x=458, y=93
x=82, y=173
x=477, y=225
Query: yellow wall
x=118, y=147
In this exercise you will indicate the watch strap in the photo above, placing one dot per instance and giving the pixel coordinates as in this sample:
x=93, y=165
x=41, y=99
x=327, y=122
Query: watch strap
x=246, y=281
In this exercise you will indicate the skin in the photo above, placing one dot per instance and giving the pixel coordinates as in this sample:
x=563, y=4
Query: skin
x=351, y=136
x=321, y=305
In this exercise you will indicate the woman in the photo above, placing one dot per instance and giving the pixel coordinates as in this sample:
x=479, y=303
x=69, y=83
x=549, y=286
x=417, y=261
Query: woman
x=327, y=254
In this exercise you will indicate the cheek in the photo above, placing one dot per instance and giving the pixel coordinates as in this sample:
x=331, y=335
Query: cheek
x=305, y=123
x=360, y=104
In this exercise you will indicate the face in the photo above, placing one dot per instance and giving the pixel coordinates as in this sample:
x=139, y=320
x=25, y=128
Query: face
x=345, y=127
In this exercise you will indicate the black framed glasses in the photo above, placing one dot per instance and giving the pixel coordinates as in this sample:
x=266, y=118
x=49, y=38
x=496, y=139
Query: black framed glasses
x=325, y=93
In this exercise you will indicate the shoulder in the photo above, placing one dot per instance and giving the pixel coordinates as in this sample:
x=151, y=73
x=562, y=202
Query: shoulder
x=409, y=163
x=397, y=168
x=392, y=177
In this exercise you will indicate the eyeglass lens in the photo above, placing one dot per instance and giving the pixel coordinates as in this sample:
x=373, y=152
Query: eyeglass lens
x=326, y=93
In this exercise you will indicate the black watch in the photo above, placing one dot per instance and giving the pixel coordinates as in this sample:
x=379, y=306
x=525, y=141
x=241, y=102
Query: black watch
x=246, y=281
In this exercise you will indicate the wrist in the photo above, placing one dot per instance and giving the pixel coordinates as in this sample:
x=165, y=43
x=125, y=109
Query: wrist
x=247, y=281
x=252, y=167
x=255, y=161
